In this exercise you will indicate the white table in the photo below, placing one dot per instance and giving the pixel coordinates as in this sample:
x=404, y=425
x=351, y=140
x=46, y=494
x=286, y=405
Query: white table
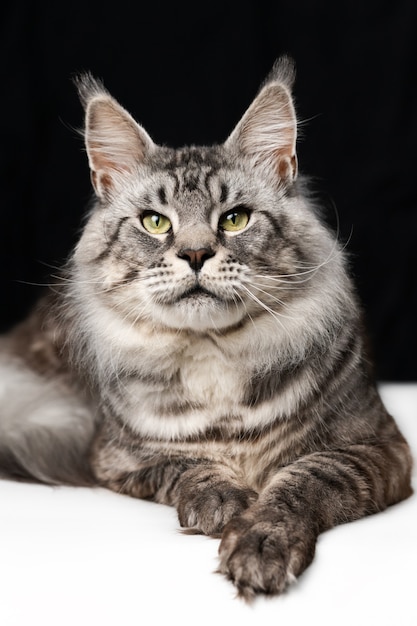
x=87, y=557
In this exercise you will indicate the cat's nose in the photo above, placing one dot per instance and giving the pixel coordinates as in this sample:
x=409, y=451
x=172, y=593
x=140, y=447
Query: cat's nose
x=196, y=258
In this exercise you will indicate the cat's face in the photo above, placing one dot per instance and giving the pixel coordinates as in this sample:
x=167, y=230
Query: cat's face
x=198, y=238
x=195, y=243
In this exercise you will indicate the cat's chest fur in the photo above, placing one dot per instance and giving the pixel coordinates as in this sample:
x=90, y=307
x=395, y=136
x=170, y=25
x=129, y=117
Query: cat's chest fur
x=168, y=384
x=207, y=375
x=175, y=385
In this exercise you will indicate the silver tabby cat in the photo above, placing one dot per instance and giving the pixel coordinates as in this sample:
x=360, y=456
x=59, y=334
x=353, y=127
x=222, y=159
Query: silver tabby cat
x=204, y=348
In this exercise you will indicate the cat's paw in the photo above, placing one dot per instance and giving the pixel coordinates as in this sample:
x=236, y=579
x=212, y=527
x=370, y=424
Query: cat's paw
x=208, y=508
x=264, y=555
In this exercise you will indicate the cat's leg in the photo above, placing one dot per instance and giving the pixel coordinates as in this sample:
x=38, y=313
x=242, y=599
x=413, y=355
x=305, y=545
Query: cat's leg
x=209, y=495
x=265, y=548
x=206, y=495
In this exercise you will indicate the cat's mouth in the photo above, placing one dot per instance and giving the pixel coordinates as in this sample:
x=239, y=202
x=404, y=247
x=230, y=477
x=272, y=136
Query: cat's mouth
x=199, y=309
x=196, y=293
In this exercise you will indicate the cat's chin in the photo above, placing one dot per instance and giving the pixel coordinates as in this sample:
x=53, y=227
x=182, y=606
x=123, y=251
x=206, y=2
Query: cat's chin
x=200, y=314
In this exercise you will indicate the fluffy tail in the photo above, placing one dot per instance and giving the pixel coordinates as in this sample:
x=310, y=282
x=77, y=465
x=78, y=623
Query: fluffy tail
x=45, y=428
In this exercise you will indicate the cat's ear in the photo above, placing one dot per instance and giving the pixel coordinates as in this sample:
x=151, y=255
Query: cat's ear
x=115, y=143
x=267, y=132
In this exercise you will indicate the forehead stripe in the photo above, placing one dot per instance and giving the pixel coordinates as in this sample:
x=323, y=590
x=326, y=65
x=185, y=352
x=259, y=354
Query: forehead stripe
x=224, y=192
x=162, y=195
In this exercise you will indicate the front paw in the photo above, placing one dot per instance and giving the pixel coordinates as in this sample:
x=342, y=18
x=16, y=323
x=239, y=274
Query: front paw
x=263, y=554
x=208, y=508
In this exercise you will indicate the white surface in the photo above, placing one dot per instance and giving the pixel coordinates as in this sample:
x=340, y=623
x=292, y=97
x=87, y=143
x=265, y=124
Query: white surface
x=87, y=557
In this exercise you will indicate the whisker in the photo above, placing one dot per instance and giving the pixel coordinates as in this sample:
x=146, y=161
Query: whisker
x=236, y=293
x=275, y=315
x=274, y=298
x=310, y=271
x=287, y=285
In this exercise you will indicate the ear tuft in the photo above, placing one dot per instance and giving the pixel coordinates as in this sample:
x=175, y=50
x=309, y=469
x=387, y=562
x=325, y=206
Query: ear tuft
x=88, y=87
x=283, y=71
x=115, y=143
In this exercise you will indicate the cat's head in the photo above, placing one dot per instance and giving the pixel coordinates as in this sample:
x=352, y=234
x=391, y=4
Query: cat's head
x=201, y=237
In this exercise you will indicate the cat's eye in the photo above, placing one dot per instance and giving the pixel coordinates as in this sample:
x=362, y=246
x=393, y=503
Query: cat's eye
x=234, y=220
x=155, y=223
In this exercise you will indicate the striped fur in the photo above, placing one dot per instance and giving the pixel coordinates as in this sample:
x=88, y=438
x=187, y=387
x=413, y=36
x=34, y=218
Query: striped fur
x=216, y=369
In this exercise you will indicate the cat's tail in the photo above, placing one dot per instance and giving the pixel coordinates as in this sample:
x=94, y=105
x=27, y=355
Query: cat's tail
x=45, y=428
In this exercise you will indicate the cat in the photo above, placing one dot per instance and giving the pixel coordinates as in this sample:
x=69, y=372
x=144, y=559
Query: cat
x=204, y=347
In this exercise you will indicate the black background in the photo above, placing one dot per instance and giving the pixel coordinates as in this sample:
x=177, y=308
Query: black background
x=187, y=73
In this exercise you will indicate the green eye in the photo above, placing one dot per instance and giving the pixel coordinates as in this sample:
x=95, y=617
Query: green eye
x=234, y=220
x=155, y=223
